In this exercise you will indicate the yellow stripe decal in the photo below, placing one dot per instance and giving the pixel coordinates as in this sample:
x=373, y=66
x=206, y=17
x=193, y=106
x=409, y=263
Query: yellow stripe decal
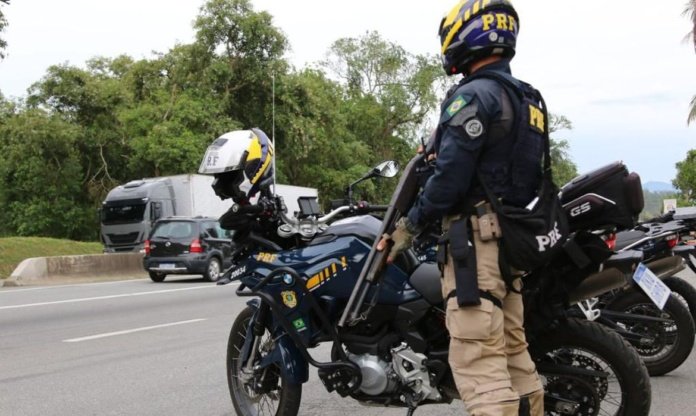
x=344, y=262
x=262, y=169
x=254, y=149
x=452, y=15
x=313, y=282
x=450, y=35
x=333, y=268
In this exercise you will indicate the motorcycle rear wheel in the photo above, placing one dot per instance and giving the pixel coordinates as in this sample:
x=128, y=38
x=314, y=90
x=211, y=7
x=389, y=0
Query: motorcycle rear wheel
x=685, y=290
x=263, y=394
x=663, y=356
x=624, y=391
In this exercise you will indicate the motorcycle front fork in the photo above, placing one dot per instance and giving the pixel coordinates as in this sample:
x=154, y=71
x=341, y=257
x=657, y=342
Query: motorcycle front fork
x=257, y=331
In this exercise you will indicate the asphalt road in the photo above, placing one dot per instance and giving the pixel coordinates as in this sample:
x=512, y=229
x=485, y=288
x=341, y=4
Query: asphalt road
x=141, y=348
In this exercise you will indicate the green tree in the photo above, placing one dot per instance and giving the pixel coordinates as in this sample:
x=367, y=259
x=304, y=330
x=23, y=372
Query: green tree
x=388, y=96
x=685, y=181
x=241, y=50
x=564, y=169
x=396, y=89
x=690, y=12
x=314, y=144
x=3, y=25
x=89, y=98
x=42, y=177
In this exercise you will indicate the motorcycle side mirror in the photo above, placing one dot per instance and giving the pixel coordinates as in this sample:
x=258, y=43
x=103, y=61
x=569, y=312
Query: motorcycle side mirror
x=386, y=169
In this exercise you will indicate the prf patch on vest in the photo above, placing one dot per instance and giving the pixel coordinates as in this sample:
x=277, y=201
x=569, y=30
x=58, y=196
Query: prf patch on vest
x=536, y=118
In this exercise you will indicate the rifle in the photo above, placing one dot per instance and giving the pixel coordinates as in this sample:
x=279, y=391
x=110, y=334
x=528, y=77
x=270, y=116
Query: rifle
x=401, y=201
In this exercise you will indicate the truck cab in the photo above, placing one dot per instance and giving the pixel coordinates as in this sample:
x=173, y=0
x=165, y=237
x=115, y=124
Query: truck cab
x=129, y=212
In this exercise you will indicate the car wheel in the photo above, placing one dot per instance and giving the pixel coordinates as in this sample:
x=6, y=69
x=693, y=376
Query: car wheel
x=157, y=276
x=212, y=270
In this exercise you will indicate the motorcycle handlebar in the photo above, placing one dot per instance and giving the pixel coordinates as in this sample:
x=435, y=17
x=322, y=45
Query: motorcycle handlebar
x=248, y=209
x=374, y=208
x=362, y=208
x=268, y=207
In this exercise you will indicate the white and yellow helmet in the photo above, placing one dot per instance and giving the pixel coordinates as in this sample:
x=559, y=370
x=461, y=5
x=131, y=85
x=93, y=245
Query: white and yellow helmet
x=242, y=163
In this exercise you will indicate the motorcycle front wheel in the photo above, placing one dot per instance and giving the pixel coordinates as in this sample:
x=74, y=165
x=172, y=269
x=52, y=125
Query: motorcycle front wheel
x=606, y=374
x=670, y=342
x=257, y=392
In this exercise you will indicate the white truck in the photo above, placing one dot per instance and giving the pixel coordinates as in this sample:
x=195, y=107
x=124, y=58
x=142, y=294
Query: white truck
x=129, y=211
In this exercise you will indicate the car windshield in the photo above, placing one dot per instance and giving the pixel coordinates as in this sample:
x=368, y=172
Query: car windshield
x=118, y=214
x=174, y=229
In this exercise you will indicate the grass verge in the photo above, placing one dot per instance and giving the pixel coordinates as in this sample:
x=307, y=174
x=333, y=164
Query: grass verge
x=15, y=249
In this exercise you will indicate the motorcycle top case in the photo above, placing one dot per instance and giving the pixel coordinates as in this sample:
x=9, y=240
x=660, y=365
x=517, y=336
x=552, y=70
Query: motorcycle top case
x=606, y=197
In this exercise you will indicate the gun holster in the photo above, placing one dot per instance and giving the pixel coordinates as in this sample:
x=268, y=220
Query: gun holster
x=464, y=262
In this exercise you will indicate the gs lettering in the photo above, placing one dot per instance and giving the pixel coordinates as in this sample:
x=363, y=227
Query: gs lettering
x=580, y=209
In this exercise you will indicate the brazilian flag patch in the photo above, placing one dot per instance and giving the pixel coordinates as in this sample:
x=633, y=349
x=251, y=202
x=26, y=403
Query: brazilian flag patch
x=457, y=104
x=299, y=324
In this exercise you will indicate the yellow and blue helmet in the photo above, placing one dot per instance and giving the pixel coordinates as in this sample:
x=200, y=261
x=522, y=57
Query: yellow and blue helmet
x=475, y=29
x=242, y=163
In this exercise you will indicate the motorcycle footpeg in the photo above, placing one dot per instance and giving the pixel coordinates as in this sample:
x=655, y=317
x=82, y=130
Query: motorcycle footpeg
x=343, y=379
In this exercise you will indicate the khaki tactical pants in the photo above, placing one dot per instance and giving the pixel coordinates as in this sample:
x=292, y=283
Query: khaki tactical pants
x=488, y=350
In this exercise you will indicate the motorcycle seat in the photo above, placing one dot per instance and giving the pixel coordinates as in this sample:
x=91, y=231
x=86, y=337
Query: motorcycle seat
x=626, y=238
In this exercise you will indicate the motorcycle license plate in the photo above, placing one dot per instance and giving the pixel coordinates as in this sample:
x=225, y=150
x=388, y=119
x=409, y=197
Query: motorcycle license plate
x=167, y=265
x=656, y=290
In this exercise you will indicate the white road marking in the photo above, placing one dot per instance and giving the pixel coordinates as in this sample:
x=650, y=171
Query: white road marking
x=28, y=289
x=123, y=295
x=130, y=331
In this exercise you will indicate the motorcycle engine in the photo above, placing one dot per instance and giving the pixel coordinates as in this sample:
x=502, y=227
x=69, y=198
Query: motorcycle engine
x=377, y=375
x=407, y=368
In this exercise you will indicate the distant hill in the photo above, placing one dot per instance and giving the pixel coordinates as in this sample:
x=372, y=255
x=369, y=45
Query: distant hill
x=655, y=186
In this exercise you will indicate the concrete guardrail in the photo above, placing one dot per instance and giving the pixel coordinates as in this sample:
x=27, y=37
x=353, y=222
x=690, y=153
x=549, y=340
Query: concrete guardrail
x=84, y=268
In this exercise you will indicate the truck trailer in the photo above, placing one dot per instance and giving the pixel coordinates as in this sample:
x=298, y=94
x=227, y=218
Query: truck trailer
x=129, y=211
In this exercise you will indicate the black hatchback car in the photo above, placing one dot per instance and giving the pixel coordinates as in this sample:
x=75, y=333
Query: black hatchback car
x=186, y=245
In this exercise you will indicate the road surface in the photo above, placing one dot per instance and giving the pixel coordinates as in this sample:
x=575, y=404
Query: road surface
x=141, y=348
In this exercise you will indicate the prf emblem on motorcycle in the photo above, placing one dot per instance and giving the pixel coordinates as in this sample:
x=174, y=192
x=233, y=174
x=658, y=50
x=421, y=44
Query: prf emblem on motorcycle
x=289, y=298
x=266, y=257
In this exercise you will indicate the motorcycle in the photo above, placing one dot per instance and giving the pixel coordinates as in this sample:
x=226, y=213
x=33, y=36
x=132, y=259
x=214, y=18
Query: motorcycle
x=664, y=337
x=686, y=218
x=315, y=281
x=668, y=244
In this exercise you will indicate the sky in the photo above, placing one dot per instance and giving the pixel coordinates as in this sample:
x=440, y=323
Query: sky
x=619, y=70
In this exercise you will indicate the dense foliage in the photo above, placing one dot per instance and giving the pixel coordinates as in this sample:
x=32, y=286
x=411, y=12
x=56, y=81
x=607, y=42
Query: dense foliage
x=82, y=130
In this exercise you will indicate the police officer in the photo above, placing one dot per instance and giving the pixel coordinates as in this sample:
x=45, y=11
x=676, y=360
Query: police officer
x=474, y=142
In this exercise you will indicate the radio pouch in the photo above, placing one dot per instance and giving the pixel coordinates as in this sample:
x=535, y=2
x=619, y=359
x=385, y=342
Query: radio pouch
x=464, y=262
